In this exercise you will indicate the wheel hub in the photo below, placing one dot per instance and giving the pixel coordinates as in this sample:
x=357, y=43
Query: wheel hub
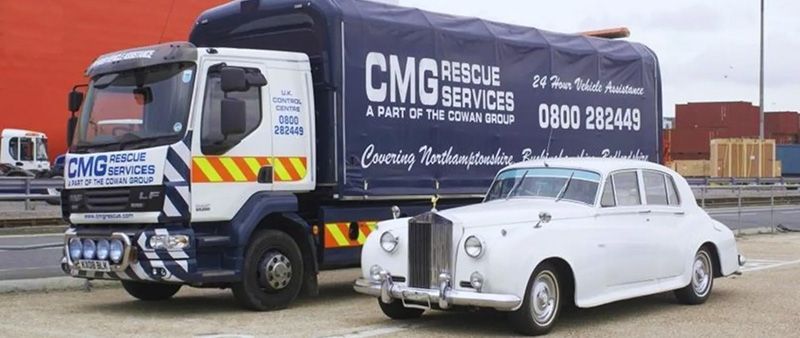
x=701, y=275
x=276, y=271
x=545, y=293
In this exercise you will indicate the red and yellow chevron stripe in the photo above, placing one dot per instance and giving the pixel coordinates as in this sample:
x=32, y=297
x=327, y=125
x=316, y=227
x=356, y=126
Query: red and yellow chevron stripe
x=226, y=169
x=337, y=234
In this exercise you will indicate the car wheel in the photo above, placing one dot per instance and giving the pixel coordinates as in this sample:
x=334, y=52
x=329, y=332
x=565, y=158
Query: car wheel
x=542, y=303
x=150, y=291
x=396, y=310
x=699, y=289
x=272, y=274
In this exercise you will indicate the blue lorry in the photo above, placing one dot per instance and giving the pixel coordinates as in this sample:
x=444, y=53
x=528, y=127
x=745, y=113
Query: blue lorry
x=267, y=146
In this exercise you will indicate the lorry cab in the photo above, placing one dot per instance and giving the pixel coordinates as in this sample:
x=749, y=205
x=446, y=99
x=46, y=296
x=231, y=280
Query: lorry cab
x=24, y=149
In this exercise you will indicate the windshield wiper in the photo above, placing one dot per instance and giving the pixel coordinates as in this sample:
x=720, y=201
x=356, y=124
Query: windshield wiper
x=564, y=188
x=519, y=183
x=145, y=140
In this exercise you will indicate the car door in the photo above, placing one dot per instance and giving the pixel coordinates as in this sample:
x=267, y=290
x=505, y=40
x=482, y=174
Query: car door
x=627, y=242
x=667, y=221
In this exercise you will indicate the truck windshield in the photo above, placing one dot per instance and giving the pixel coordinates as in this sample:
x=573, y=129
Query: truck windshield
x=136, y=108
x=552, y=183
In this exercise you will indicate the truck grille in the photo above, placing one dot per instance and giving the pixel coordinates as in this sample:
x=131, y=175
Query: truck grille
x=105, y=200
x=430, y=241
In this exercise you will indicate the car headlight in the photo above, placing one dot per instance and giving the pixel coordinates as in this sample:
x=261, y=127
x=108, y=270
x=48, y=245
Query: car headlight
x=115, y=250
x=389, y=241
x=102, y=249
x=89, y=249
x=75, y=248
x=473, y=247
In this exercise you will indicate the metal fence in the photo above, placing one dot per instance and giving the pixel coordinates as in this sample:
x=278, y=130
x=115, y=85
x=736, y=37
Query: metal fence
x=771, y=208
x=30, y=189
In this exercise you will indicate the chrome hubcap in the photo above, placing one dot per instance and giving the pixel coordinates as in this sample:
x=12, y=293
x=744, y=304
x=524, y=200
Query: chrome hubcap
x=701, y=274
x=544, y=298
x=277, y=271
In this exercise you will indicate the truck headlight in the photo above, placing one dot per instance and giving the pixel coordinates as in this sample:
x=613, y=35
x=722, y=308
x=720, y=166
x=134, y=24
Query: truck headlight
x=389, y=241
x=169, y=242
x=473, y=247
x=75, y=248
x=89, y=249
x=102, y=249
x=115, y=250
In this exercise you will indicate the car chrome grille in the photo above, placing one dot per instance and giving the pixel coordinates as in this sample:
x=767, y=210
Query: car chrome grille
x=430, y=241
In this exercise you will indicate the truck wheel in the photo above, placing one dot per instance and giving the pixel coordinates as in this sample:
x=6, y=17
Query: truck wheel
x=699, y=289
x=272, y=274
x=150, y=291
x=542, y=303
x=396, y=310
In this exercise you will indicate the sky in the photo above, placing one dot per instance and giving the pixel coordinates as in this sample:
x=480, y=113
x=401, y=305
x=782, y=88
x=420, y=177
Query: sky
x=708, y=50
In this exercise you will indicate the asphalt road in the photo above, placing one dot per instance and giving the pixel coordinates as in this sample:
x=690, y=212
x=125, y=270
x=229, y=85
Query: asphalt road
x=45, y=262
x=760, y=303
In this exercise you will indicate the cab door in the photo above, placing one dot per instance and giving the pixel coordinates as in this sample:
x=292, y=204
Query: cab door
x=228, y=169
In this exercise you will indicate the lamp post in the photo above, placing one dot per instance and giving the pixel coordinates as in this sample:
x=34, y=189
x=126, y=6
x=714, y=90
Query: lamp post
x=761, y=79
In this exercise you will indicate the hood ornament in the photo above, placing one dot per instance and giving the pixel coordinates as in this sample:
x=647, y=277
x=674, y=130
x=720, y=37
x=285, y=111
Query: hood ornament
x=544, y=217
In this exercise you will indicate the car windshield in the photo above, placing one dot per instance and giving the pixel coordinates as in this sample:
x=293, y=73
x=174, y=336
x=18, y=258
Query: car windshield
x=553, y=183
x=133, y=108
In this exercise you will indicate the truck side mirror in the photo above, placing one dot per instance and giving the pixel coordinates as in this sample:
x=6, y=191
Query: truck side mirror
x=232, y=116
x=75, y=100
x=72, y=122
x=233, y=79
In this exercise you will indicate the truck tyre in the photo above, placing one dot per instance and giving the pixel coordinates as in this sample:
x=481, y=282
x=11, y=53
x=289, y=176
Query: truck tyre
x=150, y=291
x=699, y=288
x=272, y=274
x=396, y=310
x=542, y=303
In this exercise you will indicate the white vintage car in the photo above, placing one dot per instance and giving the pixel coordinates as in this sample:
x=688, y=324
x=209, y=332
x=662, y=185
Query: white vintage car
x=548, y=234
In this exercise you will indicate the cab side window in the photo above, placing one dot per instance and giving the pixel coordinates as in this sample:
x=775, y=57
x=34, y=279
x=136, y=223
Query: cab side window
x=26, y=149
x=13, y=148
x=211, y=138
x=655, y=188
x=626, y=188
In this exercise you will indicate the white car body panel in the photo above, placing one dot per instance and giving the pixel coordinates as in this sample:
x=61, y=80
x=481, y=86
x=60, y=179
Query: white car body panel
x=615, y=253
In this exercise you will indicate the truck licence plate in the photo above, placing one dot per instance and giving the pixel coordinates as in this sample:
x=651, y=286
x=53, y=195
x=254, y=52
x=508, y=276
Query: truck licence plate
x=93, y=265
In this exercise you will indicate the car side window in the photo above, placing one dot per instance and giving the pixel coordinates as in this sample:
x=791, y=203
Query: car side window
x=655, y=188
x=626, y=188
x=211, y=138
x=607, y=200
x=672, y=191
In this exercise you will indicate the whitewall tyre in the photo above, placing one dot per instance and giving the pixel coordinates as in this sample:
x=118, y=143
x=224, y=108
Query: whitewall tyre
x=702, y=281
x=542, y=303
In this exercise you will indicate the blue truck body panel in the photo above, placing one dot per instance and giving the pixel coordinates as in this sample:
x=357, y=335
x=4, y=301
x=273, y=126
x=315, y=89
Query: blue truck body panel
x=415, y=103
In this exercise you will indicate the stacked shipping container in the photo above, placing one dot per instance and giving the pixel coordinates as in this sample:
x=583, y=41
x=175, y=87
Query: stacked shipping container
x=783, y=127
x=696, y=124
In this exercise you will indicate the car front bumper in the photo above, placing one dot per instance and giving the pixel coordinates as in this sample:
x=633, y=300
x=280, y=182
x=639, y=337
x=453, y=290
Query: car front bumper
x=444, y=297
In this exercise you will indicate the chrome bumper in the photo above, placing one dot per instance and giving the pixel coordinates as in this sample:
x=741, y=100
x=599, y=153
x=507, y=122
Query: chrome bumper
x=444, y=297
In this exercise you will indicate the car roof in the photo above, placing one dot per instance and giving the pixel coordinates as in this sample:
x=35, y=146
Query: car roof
x=600, y=165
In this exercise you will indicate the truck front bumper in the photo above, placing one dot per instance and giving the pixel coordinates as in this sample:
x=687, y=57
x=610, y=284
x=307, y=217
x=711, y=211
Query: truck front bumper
x=444, y=297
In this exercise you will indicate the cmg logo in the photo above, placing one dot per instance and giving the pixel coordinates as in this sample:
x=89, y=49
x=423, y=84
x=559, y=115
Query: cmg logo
x=87, y=166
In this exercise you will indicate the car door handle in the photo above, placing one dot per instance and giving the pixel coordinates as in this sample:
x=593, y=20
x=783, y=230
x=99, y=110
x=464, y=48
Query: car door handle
x=645, y=211
x=680, y=213
x=265, y=175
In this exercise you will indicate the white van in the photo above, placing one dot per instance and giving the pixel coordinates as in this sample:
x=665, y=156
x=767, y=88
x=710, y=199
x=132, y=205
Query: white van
x=25, y=149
